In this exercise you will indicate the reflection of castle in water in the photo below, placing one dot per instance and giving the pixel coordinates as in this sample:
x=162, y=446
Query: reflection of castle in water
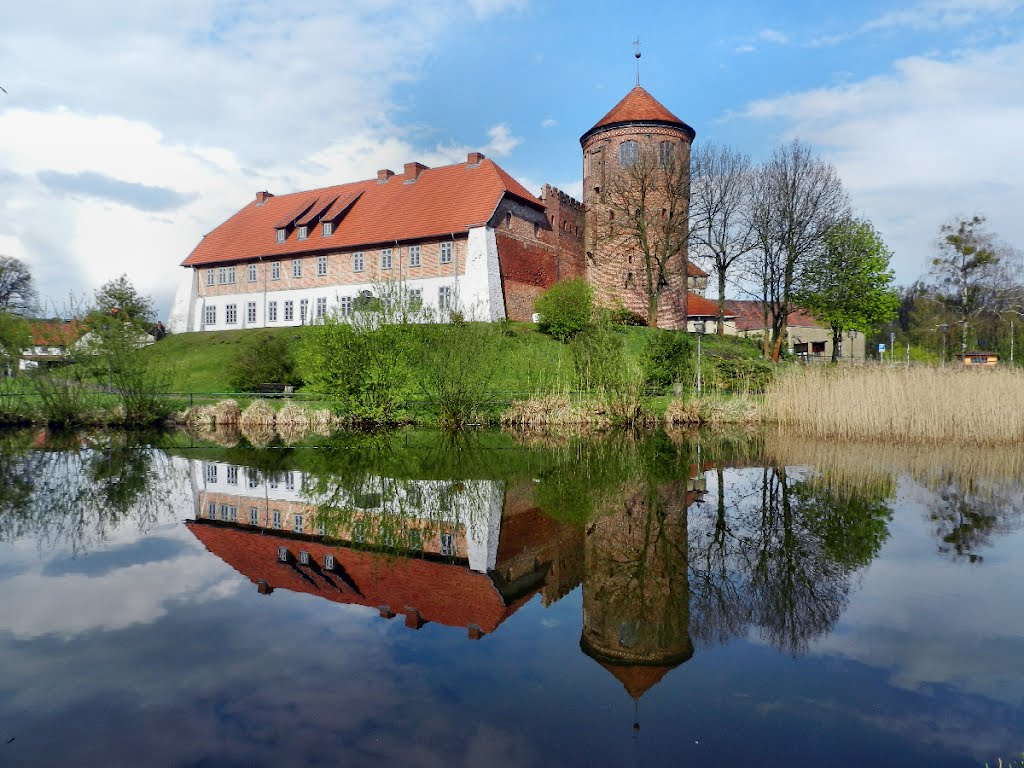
x=466, y=554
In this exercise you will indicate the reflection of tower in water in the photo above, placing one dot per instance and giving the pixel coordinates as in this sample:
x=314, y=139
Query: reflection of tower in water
x=636, y=614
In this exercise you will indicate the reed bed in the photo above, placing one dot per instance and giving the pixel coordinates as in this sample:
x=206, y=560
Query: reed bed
x=712, y=409
x=546, y=410
x=921, y=404
x=292, y=423
x=259, y=415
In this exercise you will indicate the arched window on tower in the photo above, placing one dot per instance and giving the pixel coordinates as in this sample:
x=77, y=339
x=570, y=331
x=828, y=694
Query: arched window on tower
x=629, y=153
x=665, y=149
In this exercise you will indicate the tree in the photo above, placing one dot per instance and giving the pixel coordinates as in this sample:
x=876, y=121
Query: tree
x=17, y=293
x=967, y=269
x=648, y=203
x=720, y=230
x=119, y=298
x=15, y=338
x=796, y=198
x=849, y=284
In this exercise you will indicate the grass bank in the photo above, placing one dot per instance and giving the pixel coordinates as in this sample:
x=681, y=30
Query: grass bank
x=917, y=404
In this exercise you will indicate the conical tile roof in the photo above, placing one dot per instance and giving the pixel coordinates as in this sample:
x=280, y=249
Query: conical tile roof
x=637, y=106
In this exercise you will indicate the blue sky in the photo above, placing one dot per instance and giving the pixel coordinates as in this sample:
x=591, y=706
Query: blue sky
x=126, y=134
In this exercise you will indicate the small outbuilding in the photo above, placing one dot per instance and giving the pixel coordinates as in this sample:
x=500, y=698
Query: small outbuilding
x=979, y=359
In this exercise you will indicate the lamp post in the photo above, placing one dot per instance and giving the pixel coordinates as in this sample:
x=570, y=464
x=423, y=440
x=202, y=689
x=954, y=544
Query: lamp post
x=699, y=326
x=943, y=327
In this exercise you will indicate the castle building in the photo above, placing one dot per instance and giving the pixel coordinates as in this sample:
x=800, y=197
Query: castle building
x=465, y=237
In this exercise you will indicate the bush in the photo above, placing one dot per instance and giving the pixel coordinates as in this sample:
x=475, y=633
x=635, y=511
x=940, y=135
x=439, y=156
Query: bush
x=742, y=375
x=622, y=316
x=598, y=356
x=268, y=361
x=667, y=358
x=566, y=309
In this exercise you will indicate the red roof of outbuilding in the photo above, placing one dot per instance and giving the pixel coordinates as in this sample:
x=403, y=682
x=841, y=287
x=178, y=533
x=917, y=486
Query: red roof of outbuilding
x=638, y=106
x=440, y=201
x=750, y=316
x=698, y=306
x=445, y=593
x=54, y=333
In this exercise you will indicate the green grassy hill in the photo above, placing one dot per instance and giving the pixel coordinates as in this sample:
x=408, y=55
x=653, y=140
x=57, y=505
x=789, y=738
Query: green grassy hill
x=530, y=361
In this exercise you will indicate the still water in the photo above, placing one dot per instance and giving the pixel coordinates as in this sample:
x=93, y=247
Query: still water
x=498, y=600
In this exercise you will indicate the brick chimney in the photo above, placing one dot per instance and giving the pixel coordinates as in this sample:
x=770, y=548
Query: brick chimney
x=413, y=171
x=384, y=174
x=262, y=197
x=475, y=158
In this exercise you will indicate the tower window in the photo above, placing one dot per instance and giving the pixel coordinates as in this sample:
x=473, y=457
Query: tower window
x=665, y=149
x=629, y=153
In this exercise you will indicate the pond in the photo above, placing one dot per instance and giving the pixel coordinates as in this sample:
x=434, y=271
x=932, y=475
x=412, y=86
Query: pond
x=413, y=599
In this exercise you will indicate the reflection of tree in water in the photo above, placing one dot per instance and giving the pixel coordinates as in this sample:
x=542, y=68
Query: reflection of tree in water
x=781, y=556
x=967, y=515
x=72, y=494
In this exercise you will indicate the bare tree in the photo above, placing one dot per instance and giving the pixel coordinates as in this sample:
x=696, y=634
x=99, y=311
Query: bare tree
x=796, y=198
x=720, y=229
x=647, y=206
x=17, y=294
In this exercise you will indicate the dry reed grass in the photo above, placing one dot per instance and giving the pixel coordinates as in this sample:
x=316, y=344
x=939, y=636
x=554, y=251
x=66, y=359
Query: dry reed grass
x=292, y=423
x=227, y=412
x=712, y=409
x=919, y=404
x=546, y=410
x=322, y=422
x=258, y=415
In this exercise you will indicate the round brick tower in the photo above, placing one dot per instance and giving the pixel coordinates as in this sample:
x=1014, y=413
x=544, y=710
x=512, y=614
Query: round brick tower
x=622, y=152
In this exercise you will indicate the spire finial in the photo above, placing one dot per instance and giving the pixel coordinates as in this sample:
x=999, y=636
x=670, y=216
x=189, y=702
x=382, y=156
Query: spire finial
x=636, y=49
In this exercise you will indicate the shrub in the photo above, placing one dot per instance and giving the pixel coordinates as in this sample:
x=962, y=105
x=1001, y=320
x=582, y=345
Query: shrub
x=742, y=375
x=598, y=355
x=667, y=358
x=457, y=365
x=566, y=309
x=267, y=361
x=622, y=316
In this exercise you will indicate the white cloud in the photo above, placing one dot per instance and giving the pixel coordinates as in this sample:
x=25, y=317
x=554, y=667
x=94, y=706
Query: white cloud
x=930, y=140
x=485, y=8
x=937, y=14
x=773, y=36
x=548, y=122
x=745, y=49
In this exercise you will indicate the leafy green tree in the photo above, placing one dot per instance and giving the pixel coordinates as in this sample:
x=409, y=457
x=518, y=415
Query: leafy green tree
x=15, y=338
x=849, y=284
x=967, y=269
x=566, y=309
x=119, y=298
x=267, y=361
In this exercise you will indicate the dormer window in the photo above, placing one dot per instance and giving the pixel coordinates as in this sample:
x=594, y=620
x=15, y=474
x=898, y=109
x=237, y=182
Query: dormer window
x=303, y=232
x=328, y=228
x=281, y=235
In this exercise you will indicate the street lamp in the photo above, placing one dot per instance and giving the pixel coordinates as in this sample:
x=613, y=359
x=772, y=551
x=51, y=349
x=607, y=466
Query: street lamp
x=699, y=326
x=852, y=334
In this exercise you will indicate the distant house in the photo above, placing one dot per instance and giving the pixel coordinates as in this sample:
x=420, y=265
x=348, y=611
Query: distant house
x=51, y=342
x=806, y=337
x=700, y=309
x=979, y=359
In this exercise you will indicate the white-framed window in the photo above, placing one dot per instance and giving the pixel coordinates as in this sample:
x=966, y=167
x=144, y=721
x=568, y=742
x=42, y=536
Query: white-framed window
x=328, y=228
x=254, y=516
x=358, y=261
x=303, y=310
x=447, y=544
x=346, y=306
x=321, y=265
x=282, y=233
x=231, y=314
x=272, y=312
x=289, y=311
x=444, y=297
x=298, y=523
x=385, y=258
x=273, y=483
x=415, y=540
x=415, y=298
x=233, y=513
x=211, y=510
x=296, y=267
x=289, y=481
x=222, y=275
x=322, y=529
x=321, y=307
x=276, y=519
x=414, y=255
x=232, y=475
x=329, y=562
x=224, y=512
x=252, y=273
x=209, y=277
x=254, y=478
x=275, y=270
x=359, y=533
x=303, y=232
x=250, y=312
x=210, y=314
x=629, y=153
x=446, y=252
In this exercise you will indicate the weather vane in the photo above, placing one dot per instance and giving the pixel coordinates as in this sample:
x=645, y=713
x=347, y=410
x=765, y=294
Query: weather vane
x=636, y=48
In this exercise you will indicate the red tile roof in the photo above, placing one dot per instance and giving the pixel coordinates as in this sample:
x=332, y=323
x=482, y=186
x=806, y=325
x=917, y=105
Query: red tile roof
x=694, y=271
x=750, y=316
x=442, y=592
x=698, y=306
x=439, y=202
x=637, y=106
x=55, y=333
